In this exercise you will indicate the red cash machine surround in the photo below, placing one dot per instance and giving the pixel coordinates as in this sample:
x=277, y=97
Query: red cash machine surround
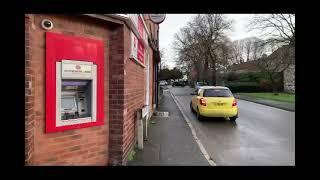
x=65, y=47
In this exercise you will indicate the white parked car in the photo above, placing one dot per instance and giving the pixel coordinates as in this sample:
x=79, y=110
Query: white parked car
x=163, y=83
x=199, y=84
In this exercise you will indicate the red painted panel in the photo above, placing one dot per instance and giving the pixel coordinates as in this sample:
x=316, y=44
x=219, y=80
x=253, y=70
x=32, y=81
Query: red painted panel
x=140, y=44
x=140, y=52
x=58, y=47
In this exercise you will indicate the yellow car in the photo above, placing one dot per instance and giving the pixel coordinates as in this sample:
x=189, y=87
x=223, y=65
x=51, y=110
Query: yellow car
x=214, y=101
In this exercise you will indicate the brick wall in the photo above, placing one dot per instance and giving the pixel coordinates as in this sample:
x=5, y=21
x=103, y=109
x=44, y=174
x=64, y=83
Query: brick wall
x=127, y=86
x=134, y=95
x=116, y=95
x=127, y=95
x=86, y=146
x=29, y=97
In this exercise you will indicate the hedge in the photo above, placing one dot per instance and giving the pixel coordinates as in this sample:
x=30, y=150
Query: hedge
x=248, y=76
x=244, y=87
x=250, y=82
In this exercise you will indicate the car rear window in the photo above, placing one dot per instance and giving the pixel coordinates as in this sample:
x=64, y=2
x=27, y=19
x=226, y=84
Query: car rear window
x=217, y=93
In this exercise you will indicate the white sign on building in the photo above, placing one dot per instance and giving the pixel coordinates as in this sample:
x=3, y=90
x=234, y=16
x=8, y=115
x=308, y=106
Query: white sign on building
x=134, y=46
x=76, y=69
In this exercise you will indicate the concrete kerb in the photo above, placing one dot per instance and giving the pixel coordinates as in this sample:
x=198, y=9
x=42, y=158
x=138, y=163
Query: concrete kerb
x=283, y=107
x=202, y=149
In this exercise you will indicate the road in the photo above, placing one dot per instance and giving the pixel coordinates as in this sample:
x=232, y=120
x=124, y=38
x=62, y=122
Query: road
x=262, y=135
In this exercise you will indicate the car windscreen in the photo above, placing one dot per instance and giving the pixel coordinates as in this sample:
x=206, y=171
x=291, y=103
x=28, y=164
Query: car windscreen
x=217, y=93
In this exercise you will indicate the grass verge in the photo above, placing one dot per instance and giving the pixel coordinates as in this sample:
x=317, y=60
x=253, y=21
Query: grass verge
x=282, y=97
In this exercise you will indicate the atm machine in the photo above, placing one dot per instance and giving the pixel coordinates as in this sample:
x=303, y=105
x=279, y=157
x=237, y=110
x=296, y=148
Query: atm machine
x=76, y=92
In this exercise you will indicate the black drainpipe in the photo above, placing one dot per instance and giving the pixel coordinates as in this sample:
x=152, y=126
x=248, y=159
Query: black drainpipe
x=158, y=62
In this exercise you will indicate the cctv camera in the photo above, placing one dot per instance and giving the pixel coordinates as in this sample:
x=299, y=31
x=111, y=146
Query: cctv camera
x=46, y=24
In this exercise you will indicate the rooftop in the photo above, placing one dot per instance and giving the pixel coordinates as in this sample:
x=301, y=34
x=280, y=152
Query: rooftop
x=249, y=65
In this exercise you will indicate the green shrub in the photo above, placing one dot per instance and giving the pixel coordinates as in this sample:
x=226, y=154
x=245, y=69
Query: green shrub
x=131, y=155
x=266, y=85
x=232, y=76
x=251, y=77
x=251, y=82
x=244, y=87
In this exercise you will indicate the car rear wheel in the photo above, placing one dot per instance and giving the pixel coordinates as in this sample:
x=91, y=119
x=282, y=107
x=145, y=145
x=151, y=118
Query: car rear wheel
x=199, y=117
x=191, y=108
x=233, y=118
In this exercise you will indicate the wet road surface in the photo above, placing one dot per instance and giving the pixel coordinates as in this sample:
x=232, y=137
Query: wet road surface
x=262, y=135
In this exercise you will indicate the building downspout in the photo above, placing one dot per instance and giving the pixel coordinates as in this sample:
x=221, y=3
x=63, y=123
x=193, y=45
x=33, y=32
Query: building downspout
x=159, y=60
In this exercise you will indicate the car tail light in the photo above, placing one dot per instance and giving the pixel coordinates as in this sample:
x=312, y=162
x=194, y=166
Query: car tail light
x=203, y=102
x=234, y=102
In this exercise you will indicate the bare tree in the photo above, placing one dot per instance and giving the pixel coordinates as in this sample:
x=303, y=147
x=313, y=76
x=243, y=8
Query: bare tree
x=225, y=53
x=247, y=49
x=199, y=43
x=247, y=46
x=281, y=28
x=238, y=51
x=258, y=48
x=210, y=29
x=186, y=50
x=163, y=64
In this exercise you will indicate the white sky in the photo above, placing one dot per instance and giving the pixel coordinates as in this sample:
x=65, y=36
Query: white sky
x=174, y=22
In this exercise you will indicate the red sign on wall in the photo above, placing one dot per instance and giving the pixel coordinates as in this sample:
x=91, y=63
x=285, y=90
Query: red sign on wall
x=137, y=45
x=140, y=52
x=64, y=47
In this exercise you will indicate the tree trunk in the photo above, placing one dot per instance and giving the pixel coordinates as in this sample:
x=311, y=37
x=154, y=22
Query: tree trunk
x=198, y=75
x=214, y=72
x=213, y=58
x=198, y=71
x=274, y=86
x=205, y=70
x=214, y=77
x=274, y=89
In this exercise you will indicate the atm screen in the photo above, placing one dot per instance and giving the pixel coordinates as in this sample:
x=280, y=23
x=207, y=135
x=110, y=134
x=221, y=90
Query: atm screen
x=75, y=99
x=68, y=103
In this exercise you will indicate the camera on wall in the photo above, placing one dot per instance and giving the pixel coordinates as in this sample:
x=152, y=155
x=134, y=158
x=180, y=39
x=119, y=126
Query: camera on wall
x=46, y=24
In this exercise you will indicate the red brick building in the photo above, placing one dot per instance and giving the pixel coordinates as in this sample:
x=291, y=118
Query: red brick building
x=127, y=81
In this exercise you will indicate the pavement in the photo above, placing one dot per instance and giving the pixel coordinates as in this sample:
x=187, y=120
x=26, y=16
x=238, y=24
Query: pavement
x=170, y=141
x=276, y=104
x=261, y=136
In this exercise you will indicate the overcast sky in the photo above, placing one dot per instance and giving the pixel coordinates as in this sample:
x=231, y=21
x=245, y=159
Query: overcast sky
x=174, y=22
